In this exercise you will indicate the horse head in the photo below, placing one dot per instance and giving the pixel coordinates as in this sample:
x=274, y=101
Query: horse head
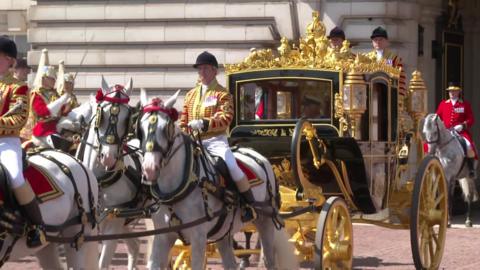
x=432, y=130
x=112, y=121
x=157, y=133
x=78, y=117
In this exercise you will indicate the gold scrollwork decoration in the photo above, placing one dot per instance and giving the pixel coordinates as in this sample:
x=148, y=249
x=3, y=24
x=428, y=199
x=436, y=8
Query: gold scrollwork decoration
x=311, y=51
x=268, y=132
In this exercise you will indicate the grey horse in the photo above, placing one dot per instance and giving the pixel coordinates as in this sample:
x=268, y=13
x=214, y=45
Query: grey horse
x=445, y=144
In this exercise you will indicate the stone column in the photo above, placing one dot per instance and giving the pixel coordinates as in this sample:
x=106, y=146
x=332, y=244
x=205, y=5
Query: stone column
x=430, y=10
x=471, y=25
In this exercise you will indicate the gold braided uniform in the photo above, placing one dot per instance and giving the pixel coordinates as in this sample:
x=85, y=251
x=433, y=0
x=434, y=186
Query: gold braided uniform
x=215, y=107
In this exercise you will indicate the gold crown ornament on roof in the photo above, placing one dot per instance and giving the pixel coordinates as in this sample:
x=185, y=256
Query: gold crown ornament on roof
x=312, y=51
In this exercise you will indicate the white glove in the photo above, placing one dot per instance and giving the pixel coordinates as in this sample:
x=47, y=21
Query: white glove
x=458, y=128
x=196, y=124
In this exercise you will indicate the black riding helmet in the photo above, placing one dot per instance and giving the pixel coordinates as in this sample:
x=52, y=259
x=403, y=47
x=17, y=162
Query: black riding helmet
x=206, y=58
x=8, y=47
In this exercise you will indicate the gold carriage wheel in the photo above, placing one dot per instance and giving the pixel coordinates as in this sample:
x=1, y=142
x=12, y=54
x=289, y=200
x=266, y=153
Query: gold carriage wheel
x=334, y=238
x=429, y=212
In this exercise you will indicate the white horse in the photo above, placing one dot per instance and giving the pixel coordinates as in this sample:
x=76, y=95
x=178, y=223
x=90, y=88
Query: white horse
x=169, y=163
x=65, y=171
x=444, y=144
x=102, y=150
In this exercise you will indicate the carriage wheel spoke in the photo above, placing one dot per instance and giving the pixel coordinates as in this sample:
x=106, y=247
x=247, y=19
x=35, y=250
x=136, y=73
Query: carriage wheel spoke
x=438, y=201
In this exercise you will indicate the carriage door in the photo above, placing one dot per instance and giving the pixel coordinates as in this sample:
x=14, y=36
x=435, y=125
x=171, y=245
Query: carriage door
x=378, y=160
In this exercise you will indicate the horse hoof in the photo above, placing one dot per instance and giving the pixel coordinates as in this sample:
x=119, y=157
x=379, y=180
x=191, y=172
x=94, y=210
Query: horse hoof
x=244, y=263
x=449, y=224
x=468, y=223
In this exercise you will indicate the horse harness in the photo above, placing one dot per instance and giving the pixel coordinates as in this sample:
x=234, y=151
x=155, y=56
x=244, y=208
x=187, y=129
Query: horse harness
x=111, y=136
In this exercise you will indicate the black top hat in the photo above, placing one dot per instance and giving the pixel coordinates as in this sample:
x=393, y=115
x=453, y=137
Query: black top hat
x=22, y=63
x=379, y=32
x=206, y=58
x=8, y=47
x=336, y=32
x=311, y=100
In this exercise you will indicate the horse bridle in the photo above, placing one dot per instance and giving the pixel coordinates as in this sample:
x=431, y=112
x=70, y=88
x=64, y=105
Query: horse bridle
x=150, y=144
x=111, y=136
x=438, y=136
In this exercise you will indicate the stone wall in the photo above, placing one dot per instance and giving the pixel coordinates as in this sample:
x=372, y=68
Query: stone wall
x=155, y=42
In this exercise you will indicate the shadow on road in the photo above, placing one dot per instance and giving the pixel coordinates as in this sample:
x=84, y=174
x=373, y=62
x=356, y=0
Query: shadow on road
x=365, y=262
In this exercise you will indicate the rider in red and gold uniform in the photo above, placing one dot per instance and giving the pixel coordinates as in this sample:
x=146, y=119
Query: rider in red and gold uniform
x=47, y=107
x=457, y=114
x=208, y=108
x=13, y=116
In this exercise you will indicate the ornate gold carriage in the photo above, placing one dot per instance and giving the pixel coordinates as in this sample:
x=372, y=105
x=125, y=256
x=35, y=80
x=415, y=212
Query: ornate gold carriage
x=358, y=158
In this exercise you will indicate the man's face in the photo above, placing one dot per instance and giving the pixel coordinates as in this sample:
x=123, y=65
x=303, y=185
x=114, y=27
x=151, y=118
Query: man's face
x=206, y=73
x=336, y=42
x=48, y=82
x=454, y=94
x=22, y=73
x=5, y=63
x=68, y=86
x=380, y=43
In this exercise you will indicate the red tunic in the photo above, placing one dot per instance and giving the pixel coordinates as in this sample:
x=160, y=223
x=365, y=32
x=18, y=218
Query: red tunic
x=460, y=113
x=45, y=124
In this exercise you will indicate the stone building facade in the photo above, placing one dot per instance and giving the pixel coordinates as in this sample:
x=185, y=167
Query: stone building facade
x=156, y=41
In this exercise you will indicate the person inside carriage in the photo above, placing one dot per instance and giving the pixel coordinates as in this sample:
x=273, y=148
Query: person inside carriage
x=208, y=109
x=47, y=107
x=312, y=107
x=456, y=114
x=13, y=116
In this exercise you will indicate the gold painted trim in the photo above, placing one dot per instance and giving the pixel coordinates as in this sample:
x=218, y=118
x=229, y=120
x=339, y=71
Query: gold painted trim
x=341, y=184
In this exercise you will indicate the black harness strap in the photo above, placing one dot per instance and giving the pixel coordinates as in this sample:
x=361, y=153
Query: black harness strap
x=186, y=186
x=93, y=238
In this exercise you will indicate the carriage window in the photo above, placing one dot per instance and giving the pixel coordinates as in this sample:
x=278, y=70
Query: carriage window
x=286, y=99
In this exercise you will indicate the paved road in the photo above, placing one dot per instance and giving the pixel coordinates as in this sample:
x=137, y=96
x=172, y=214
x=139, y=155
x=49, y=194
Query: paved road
x=374, y=248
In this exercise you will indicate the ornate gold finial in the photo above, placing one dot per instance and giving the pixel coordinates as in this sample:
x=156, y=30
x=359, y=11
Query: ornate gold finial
x=417, y=82
x=316, y=28
x=313, y=51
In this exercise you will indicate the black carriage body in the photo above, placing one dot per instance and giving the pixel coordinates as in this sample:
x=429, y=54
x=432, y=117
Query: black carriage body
x=281, y=93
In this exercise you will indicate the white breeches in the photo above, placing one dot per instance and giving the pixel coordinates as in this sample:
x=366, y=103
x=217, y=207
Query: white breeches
x=11, y=159
x=218, y=146
x=470, y=150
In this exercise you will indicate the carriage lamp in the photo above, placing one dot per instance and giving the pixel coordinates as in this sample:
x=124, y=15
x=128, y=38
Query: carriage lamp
x=417, y=96
x=355, y=100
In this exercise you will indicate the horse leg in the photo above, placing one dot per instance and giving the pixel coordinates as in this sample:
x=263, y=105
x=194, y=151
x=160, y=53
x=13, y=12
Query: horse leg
x=468, y=221
x=199, y=245
x=112, y=226
x=244, y=260
x=160, y=255
x=48, y=257
x=451, y=190
x=133, y=246
x=467, y=185
x=225, y=248
x=266, y=231
x=86, y=257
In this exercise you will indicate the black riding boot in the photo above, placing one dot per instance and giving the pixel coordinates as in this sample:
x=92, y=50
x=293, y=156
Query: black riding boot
x=35, y=234
x=471, y=167
x=248, y=212
x=29, y=207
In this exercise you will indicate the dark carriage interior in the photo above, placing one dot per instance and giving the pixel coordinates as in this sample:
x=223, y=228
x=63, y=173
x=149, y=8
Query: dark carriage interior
x=284, y=99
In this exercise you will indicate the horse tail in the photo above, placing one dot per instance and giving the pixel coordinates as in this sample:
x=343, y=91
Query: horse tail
x=469, y=190
x=284, y=251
